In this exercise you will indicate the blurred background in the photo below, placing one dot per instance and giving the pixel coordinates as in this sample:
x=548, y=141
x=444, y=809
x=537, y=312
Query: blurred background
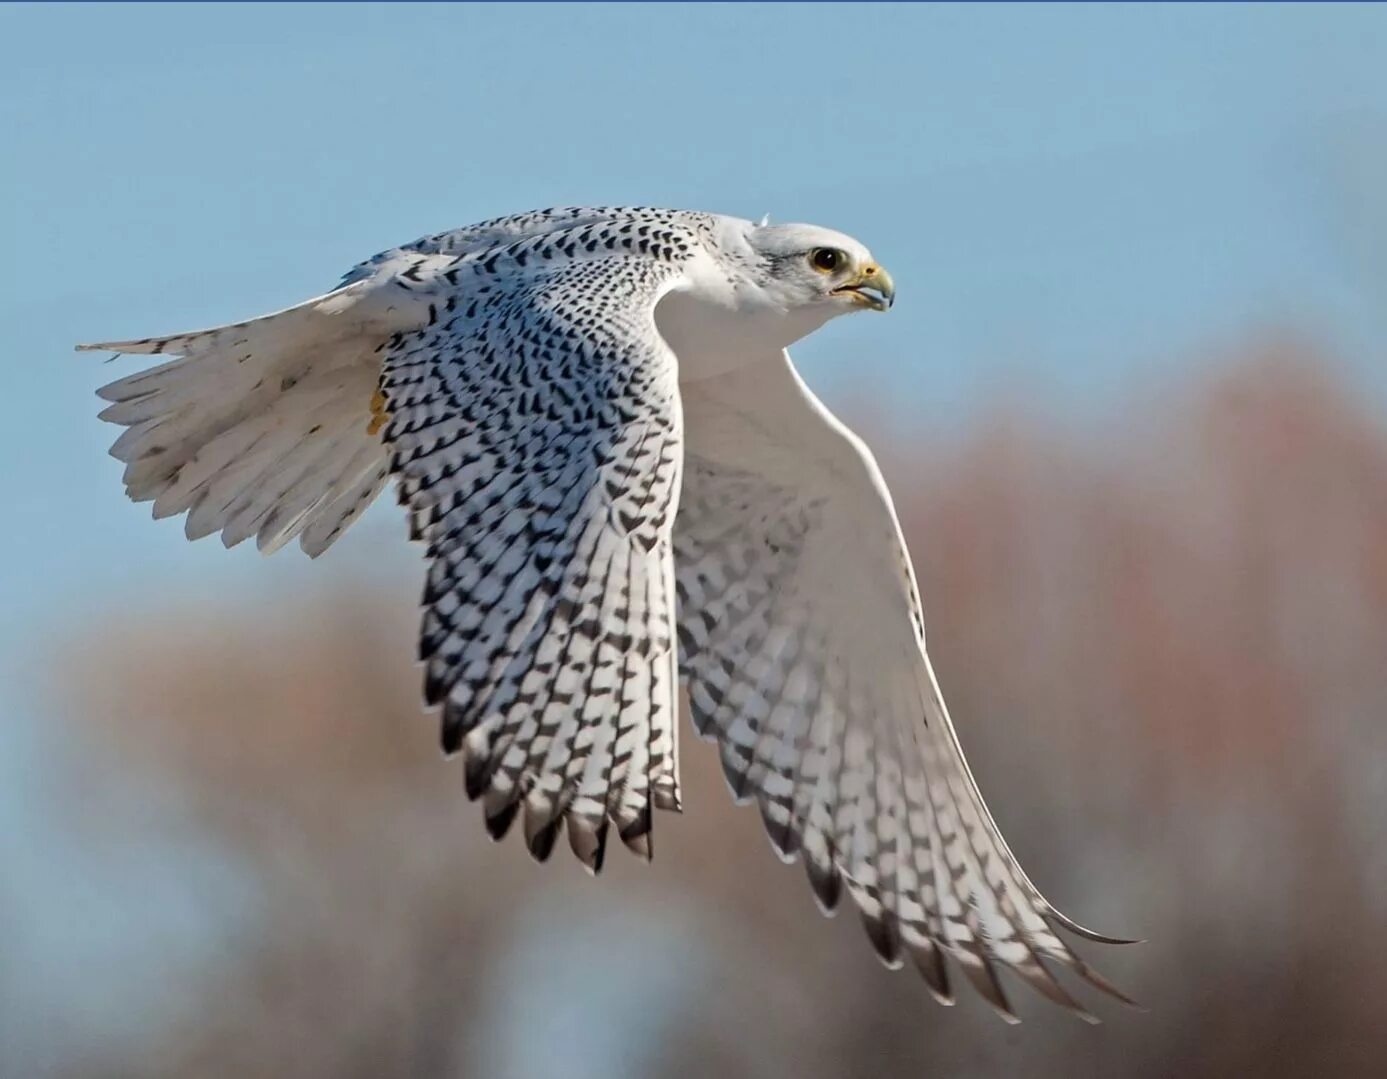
x=1132, y=402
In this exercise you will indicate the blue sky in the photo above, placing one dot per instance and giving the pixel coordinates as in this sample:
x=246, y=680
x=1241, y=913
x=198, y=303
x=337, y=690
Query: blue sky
x=1071, y=199
x=1074, y=201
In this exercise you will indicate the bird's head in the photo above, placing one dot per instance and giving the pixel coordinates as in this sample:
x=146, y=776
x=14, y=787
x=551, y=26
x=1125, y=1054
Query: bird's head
x=809, y=265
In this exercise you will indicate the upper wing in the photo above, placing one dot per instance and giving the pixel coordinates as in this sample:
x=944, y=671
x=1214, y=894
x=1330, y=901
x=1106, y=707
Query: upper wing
x=803, y=648
x=511, y=376
x=534, y=428
x=267, y=428
x=497, y=232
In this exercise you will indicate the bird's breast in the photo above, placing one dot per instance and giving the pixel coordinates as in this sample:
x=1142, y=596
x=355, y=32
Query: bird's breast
x=712, y=334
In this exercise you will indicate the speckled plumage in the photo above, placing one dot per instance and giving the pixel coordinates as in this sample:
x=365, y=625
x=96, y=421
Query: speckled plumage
x=622, y=484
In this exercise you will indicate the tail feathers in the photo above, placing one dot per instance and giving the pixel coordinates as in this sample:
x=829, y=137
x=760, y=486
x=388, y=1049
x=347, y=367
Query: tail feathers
x=324, y=525
x=260, y=428
x=311, y=500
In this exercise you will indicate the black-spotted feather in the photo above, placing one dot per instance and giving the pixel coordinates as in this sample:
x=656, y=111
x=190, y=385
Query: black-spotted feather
x=538, y=448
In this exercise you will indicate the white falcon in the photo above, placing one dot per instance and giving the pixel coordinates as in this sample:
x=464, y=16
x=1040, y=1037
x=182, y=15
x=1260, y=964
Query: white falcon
x=624, y=486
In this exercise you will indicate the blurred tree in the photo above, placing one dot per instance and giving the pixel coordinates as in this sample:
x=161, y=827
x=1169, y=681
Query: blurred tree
x=1163, y=644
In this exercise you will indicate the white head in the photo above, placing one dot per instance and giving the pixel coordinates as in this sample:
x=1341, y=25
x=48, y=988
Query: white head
x=774, y=285
x=808, y=265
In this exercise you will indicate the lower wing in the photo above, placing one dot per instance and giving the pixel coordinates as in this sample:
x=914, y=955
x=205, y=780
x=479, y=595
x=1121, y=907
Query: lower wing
x=803, y=649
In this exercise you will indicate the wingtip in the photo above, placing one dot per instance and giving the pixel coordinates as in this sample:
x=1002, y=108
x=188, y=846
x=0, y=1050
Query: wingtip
x=979, y=970
x=929, y=962
x=541, y=834
x=883, y=930
x=1066, y=922
x=498, y=823
x=638, y=842
x=1005, y=1014
x=588, y=841
x=1088, y=974
x=826, y=884
x=1037, y=975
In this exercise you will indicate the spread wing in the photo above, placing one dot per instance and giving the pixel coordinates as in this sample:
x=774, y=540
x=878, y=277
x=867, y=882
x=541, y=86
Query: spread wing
x=269, y=427
x=534, y=428
x=803, y=649
x=510, y=376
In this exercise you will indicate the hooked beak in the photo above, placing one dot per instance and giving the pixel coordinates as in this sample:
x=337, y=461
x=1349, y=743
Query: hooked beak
x=871, y=287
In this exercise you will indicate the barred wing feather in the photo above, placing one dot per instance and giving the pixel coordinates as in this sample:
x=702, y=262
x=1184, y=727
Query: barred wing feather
x=535, y=435
x=802, y=646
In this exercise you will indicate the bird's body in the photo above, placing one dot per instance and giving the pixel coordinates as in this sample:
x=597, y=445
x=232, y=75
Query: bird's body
x=624, y=486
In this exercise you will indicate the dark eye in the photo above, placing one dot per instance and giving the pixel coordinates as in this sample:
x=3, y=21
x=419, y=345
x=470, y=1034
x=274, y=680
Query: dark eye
x=827, y=259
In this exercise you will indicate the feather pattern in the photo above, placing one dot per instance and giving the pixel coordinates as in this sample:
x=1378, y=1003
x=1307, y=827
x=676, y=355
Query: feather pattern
x=543, y=422
x=803, y=649
x=535, y=435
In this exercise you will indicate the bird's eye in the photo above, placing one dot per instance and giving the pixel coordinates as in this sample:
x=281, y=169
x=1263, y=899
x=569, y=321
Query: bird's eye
x=827, y=259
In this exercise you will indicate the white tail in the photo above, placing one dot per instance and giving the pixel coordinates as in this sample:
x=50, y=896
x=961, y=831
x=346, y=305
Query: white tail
x=264, y=428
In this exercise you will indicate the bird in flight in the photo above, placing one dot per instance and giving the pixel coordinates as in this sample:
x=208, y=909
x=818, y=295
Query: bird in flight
x=625, y=489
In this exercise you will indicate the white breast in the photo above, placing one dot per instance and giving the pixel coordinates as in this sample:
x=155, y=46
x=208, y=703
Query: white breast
x=716, y=324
